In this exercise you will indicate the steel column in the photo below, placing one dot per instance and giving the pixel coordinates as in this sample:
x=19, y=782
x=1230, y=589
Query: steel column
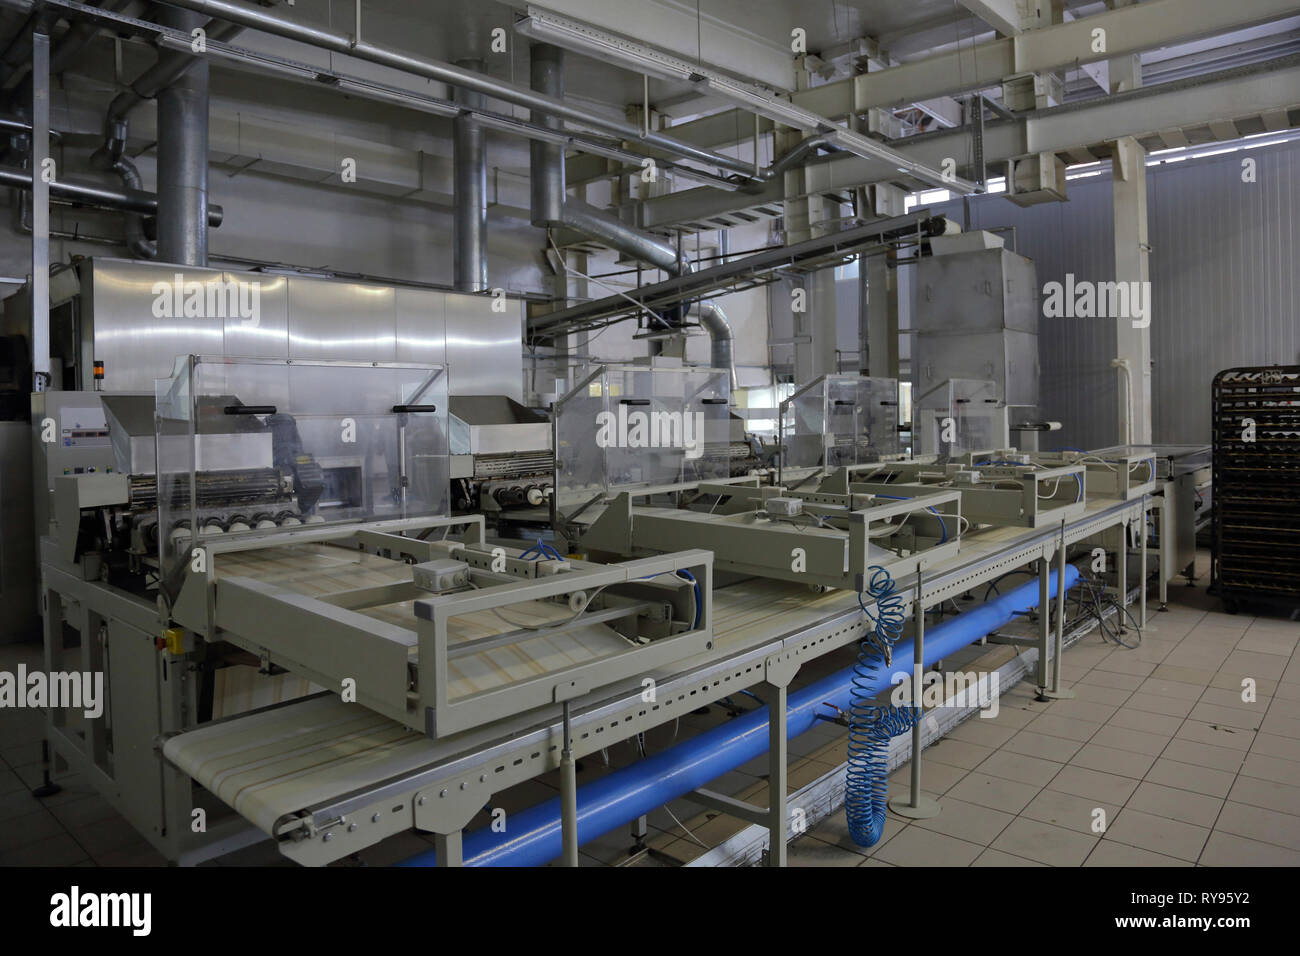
x=1055, y=691
x=183, y=159
x=470, y=194
x=568, y=795
x=915, y=805
x=777, y=774
x=40, y=278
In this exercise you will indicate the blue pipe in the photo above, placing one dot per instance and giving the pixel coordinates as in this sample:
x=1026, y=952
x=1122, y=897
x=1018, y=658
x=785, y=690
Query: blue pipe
x=532, y=836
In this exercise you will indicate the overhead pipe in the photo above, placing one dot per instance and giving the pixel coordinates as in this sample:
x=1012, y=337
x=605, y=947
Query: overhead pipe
x=469, y=220
x=183, y=157
x=533, y=836
x=258, y=18
x=170, y=66
x=96, y=194
x=552, y=207
x=74, y=40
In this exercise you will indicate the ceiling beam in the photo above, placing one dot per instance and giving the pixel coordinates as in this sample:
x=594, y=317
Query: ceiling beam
x=1001, y=15
x=1127, y=30
x=1149, y=111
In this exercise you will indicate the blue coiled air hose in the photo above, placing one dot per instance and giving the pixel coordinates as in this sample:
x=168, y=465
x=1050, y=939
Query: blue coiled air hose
x=870, y=725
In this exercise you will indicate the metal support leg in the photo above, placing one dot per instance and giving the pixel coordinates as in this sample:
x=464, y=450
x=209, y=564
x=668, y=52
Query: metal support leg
x=640, y=830
x=1055, y=691
x=568, y=796
x=1044, y=624
x=776, y=759
x=1142, y=565
x=778, y=671
x=1121, y=572
x=48, y=787
x=917, y=806
x=448, y=848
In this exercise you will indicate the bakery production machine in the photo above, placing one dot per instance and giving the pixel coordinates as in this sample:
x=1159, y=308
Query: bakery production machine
x=303, y=643
x=290, y=519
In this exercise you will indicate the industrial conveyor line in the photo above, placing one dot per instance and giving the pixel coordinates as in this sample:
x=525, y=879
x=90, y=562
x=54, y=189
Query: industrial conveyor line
x=328, y=778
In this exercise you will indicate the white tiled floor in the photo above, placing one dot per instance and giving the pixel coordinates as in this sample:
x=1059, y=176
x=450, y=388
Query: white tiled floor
x=1158, y=739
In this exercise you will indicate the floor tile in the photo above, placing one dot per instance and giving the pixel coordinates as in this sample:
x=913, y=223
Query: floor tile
x=1053, y=845
x=1094, y=784
x=1266, y=826
x=1125, y=763
x=1229, y=849
x=1110, y=853
x=1170, y=802
x=1184, y=776
x=967, y=821
x=918, y=847
x=991, y=857
x=1020, y=767
x=1183, y=841
x=1009, y=796
x=1069, y=811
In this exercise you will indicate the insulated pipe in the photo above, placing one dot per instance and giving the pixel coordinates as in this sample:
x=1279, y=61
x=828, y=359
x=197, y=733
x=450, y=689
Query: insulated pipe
x=546, y=160
x=551, y=207
x=169, y=68
x=137, y=242
x=259, y=18
x=469, y=221
x=94, y=194
x=613, y=232
x=533, y=835
x=183, y=158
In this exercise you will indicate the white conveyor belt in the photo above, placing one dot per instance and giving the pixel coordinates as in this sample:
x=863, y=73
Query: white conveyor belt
x=279, y=761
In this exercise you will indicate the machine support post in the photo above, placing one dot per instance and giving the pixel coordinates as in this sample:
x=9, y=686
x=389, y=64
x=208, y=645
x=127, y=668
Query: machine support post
x=778, y=671
x=639, y=832
x=916, y=805
x=776, y=756
x=1142, y=567
x=1055, y=691
x=568, y=795
x=1121, y=571
x=448, y=848
x=1044, y=621
x=48, y=787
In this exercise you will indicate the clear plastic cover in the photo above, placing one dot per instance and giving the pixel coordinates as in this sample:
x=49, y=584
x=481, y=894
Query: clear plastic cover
x=960, y=415
x=840, y=420
x=249, y=446
x=624, y=428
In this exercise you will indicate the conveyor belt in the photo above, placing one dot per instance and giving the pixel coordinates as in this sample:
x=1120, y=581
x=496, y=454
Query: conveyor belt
x=320, y=752
x=321, y=569
x=274, y=763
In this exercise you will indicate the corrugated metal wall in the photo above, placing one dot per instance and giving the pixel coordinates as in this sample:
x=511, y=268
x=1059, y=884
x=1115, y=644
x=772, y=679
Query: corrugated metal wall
x=1224, y=287
x=1223, y=274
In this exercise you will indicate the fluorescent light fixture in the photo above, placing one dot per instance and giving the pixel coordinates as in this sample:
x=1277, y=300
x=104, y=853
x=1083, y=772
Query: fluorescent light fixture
x=573, y=35
x=548, y=28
